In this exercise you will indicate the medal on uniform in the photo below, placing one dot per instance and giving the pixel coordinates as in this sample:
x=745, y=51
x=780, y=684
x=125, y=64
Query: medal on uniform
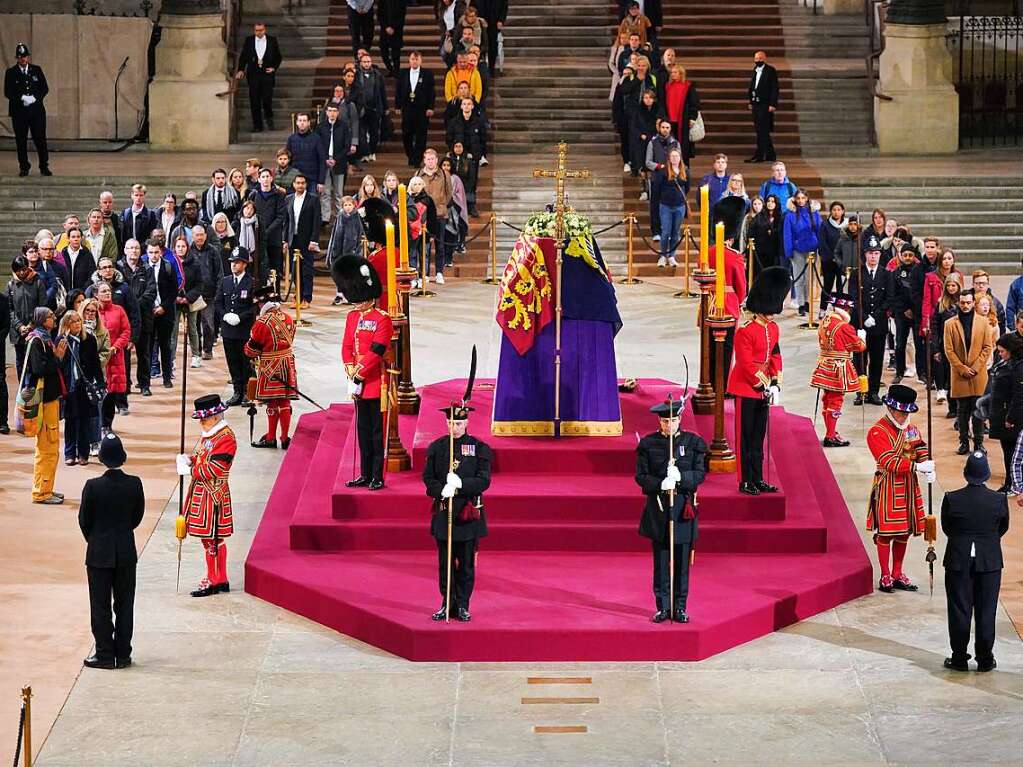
x=468, y=450
x=370, y=325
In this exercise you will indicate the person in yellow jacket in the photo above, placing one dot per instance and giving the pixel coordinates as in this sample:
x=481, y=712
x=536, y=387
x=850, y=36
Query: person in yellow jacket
x=462, y=71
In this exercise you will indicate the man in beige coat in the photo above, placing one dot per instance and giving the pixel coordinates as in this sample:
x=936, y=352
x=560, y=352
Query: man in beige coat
x=968, y=343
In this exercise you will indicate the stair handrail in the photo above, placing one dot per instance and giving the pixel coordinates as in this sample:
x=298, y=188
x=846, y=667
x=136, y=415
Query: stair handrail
x=876, y=12
x=233, y=12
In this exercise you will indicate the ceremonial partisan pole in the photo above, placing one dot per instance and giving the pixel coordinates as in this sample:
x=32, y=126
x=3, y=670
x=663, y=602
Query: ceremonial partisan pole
x=930, y=523
x=451, y=467
x=671, y=509
x=862, y=381
x=179, y=523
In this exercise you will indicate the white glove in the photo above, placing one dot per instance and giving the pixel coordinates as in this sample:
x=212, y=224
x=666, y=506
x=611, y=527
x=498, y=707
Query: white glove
x=862, y=334
x=674, y=474
x=775, y=395
x=925, y=467
x=184, y=464
x=930, y=477
x=232, y=319
x=454, y=480
x=354, y=389
x=667, y=484
x=447, y=492
x=28, y=100
x=869, y=322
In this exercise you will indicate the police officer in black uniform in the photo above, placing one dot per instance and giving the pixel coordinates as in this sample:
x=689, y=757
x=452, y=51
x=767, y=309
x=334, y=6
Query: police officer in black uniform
x=656, y=475
x=974, y=518
x=873, y=283
x=465, y=487
x=25, y=88
x=235, y=305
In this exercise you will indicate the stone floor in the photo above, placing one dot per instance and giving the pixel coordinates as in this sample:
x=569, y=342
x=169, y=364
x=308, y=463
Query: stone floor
x=235, y=681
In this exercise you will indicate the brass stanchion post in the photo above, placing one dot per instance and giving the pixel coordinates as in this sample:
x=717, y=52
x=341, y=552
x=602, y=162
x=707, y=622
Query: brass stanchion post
x=493, y=279
x=811, y=276
x=297, y=287
x=26, y=739
x=630, y=279
x=687, y=291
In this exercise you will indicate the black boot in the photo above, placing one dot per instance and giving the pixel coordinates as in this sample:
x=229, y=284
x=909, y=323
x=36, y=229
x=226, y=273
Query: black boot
x=441, y=613
x=964, y=447
x=359, y=481
x=264, y=442
x=660, y=616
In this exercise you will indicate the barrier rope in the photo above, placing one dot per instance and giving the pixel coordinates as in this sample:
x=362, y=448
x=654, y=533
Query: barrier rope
x=481, y=231
x=610, y=227
x=510, y=226
x=21, y=732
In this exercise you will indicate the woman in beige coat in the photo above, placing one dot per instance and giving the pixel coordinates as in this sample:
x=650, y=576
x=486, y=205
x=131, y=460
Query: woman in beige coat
x=968, y=363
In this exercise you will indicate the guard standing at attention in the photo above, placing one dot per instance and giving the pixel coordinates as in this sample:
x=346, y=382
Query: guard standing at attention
x=835, y=373
x=660, y=472
x=367, y=337
x=974, y=518
x=271, y=341
x=463, y=485
x=25, y=88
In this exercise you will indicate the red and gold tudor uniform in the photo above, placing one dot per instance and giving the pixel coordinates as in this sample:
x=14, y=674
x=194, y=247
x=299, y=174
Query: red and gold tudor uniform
x=896, y=508
x=756, y=375
x=208, y=500
x=367, y=337
x=271, y=340
x=835, y=373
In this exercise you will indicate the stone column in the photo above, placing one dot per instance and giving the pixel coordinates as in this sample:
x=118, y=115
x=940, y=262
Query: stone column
x=191, y=69
x=915, y=71
x=842, y=7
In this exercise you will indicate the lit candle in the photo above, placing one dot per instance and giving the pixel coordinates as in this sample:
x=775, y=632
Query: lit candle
x=403, y=225
x=719, y=266
x=392, y=281
x=704, y=227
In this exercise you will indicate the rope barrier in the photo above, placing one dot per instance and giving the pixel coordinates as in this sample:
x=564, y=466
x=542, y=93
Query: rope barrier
x=510, y=226
x=481, y=231
x=21, y=732
x=609, y=228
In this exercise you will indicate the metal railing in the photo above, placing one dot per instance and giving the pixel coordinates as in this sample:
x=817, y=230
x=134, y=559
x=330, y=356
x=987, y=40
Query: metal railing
x=876, y=12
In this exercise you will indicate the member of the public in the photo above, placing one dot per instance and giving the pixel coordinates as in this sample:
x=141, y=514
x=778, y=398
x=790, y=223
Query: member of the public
x=669, y=480
x=835, y=373
x=271, y=340
x=974, y=518
x=235, y=306
x=968, y=342
x=463, y=487
x=112, y=507
x=756, y=375
x=208, y=502
x=25, y=88
x=43, y=363
x=870, y=285
x=367, y=338
x=730, y=211
x=896, y=508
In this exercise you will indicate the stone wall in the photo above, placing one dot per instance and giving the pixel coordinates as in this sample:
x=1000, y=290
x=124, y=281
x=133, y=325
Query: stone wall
x=80, y=56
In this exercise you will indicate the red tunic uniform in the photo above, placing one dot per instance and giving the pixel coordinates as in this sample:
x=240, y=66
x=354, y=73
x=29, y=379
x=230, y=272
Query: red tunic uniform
x=271, y=341
x=366, y=340
x=209, y=496
x=757, y=359
x=835, y=371
x=896, y=504
x=735, y=280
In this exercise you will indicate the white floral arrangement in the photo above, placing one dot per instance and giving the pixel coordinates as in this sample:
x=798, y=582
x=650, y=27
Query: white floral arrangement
x=542, y=224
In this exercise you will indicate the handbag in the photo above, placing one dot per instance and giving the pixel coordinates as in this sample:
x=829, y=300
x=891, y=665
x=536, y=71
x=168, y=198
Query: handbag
x=197, y=305
x=697, y=131
x=28, y=403
x=94, y=392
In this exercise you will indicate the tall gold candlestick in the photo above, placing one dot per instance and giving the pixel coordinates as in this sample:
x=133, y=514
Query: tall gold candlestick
x=403, y=225
x=719, y=267
x=393, y=307
x=704, y=227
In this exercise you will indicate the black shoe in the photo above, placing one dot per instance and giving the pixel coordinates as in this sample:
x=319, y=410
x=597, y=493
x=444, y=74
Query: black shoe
x=988, y=665
x=336, y=301
x=285, y=442
x=463, y=615
x=147, y=392
x=897, y=380
x=835, y=442
x=681, y=616
x=660, y=616
x=978, y=447
x=885, y=585
x=122, y=662
x=440, y=615
x=22, y=173
x=951, y=414
x=964, y=449
x=5, y=429
x=748, y=488
x=955, y=664
x=235, y=401
x=873, y=399
x=205, y=591
x=264, y=442
x=754, y=159
x=764, y=487
x=858, y=400
x=168, y=384
x=93, y=662
x=902, y=583
x=1004, y=488
x=359, y=481
x=258, y=130
x=376, y=484
x=222, y=588
x=802, y=311
x=45, y=172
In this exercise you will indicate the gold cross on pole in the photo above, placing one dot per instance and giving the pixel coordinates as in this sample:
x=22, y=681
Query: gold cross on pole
x=559, y=175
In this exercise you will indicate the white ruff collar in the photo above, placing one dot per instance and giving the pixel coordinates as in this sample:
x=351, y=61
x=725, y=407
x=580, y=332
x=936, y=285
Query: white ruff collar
x=900, y=426
x=222, y=424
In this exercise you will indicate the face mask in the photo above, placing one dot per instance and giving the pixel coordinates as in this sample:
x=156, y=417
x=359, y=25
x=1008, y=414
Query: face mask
x=90, y=325
x=759, y=64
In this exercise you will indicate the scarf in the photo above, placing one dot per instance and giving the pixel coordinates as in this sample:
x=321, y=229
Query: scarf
x=229, y=195
x=247, y=233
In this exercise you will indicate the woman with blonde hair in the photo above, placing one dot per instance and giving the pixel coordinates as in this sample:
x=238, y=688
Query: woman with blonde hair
x=670, y=185
x=236, y=178
x=367, y=189
x=737, y=188
x=83, y=381
x=947, y=306
x=682, y=105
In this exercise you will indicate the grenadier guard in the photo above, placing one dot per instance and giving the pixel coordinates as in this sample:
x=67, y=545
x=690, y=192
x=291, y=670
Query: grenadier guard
x=661, y=472
x=835, y=373
x=464, y=487
x=756, y=376
x=270, y=340
x=208, y=501
x=367, y=337
x=729, y=211
x=896, y=509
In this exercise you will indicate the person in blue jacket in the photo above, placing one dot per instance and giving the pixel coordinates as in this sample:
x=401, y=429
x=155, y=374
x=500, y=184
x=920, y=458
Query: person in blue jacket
x=800, y=238
x=1014, y=302
x=779, y=185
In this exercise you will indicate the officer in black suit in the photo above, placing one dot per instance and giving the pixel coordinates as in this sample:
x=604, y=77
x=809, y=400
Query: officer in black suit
x=112, y=507
x=464, y=487
x=873, y=283
x=238, y=311
x=258, y=62
x=303, y=232
x=391, y=15
x=974, y=518
x=414, y=97
x=659, y=473
x=25, y=88
x=763, y=101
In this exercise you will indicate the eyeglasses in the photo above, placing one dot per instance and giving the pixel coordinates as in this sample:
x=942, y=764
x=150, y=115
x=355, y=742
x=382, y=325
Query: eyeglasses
x=42, y=248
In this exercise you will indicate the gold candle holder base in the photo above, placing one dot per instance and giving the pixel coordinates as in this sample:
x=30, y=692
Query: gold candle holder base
x=703, y=398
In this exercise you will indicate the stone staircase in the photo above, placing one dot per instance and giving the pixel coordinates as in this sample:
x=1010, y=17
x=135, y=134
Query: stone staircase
x=980, y=219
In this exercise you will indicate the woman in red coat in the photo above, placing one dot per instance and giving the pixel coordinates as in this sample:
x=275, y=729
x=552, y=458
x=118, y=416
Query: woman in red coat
x=116, y=322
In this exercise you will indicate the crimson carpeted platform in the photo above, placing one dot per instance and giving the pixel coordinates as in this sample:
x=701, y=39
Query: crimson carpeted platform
x=564, y=574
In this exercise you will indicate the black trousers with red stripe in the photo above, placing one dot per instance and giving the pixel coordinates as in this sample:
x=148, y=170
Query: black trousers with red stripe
x=752, y=414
